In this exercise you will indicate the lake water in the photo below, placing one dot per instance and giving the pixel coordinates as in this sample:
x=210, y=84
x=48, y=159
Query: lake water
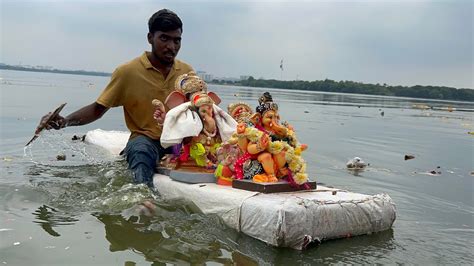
x=83, y=210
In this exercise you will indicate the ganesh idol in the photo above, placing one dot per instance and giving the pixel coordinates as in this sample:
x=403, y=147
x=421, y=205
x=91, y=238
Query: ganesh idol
x=195, y=122
x=270, y=149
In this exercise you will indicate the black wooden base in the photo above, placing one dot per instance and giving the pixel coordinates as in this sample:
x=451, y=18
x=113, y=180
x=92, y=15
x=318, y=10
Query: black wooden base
x=276, y=187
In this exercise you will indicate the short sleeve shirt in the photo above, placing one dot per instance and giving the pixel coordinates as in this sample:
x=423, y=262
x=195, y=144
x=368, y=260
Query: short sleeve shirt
x=133, y=86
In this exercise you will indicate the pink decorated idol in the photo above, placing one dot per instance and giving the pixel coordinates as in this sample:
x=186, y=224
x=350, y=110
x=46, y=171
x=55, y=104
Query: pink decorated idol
x=270, y=150
x=196, y=122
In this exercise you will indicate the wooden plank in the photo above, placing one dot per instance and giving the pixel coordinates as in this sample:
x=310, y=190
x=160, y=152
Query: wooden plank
x=191, y=175
x=276, y=187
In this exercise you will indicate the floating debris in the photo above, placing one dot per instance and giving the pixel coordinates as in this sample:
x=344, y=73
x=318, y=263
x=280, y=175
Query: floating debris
x=16, y=243
x=409, y=157
x=306, y=111
x=356, y=163
x=421, y=106
x=470, y=132
x=435, y=171
x=382, y=113
x=61, y=157
x=448, y=108
x=75, y=137
x=472, y=173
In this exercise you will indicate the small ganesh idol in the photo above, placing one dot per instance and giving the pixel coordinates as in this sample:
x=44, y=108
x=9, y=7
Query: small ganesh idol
x=240, y=111
x=195, y=122
x=270, y=150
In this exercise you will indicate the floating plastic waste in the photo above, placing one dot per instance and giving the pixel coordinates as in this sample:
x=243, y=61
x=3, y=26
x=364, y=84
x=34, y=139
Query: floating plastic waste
x=356, y=163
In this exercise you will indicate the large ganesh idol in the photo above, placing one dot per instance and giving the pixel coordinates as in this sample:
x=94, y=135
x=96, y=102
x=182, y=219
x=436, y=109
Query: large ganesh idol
x=269, y=149
x=196, y=122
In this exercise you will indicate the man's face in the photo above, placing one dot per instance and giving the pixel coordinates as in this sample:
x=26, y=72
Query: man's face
x=165, y=45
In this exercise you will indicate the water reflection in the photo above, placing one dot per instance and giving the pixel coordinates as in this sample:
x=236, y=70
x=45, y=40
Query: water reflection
x=250, y=95
x=176, y=233
x=48, y=218
x=179, y=233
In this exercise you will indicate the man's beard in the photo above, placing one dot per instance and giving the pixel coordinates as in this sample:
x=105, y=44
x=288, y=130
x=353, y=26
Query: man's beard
x=166, y=61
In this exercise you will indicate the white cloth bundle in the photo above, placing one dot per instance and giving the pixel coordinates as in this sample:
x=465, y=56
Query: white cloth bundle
x=181, y=122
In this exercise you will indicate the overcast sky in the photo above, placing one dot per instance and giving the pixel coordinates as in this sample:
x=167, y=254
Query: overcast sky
x=393, y=42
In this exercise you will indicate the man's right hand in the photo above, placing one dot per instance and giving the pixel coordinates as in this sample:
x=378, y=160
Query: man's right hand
x=46, y=122
x=83, y=116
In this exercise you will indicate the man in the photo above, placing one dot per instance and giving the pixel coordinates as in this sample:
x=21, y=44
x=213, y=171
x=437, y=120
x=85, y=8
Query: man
x=134, y=85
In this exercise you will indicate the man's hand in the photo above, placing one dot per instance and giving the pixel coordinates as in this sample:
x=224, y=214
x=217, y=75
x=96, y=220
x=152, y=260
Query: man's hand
x=85, y=115
x=49, y=122
x=160, y=112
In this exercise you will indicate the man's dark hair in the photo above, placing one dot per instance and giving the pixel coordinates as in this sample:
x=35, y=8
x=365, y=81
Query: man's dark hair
x=164, y=20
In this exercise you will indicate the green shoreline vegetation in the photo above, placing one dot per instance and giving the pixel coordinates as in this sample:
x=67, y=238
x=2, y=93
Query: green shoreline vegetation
x=327, y=85
x=59, y=71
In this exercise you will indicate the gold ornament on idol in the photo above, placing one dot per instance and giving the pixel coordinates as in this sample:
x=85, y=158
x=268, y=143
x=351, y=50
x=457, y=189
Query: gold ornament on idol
x=201, y=98
x=190, y=83
x=209, y=136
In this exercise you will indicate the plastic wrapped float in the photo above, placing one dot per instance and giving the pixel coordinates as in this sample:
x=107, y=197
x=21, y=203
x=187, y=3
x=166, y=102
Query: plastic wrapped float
x=290, y=219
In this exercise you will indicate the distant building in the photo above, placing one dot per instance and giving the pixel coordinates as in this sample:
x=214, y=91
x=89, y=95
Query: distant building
x=205, y=76
x=244, y=77
x=44, y=67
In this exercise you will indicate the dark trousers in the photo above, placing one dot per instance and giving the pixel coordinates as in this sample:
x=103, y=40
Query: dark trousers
x=142, y=153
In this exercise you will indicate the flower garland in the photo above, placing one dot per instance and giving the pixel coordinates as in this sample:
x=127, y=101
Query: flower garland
x=295, y=161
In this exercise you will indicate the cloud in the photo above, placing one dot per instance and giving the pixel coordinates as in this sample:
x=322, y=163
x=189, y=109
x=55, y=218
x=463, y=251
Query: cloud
x=394, y=42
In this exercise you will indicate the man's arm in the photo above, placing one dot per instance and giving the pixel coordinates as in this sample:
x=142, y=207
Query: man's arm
x=83, y=116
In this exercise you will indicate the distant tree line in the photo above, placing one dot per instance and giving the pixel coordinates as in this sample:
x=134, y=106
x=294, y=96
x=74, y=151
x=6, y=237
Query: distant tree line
x=327, y=85
x=74, y=72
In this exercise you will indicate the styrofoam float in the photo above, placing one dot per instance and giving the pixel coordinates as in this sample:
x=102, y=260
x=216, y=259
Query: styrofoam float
x=292, y=219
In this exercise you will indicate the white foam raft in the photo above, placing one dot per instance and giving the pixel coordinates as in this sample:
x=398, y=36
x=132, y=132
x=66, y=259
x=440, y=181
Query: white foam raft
x=291, y=219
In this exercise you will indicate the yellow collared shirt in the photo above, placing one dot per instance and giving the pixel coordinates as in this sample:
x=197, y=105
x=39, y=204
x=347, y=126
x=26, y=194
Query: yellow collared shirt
x=134, y=85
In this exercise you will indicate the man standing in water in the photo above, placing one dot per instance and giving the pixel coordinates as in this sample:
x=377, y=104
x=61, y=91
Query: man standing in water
x=134, y=85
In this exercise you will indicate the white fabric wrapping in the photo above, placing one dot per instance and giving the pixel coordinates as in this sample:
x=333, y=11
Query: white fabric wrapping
x=112, y=141
x=279, y=219
x=225, y=123
x=285, y=219
x=210, y=198
x=180, y=122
